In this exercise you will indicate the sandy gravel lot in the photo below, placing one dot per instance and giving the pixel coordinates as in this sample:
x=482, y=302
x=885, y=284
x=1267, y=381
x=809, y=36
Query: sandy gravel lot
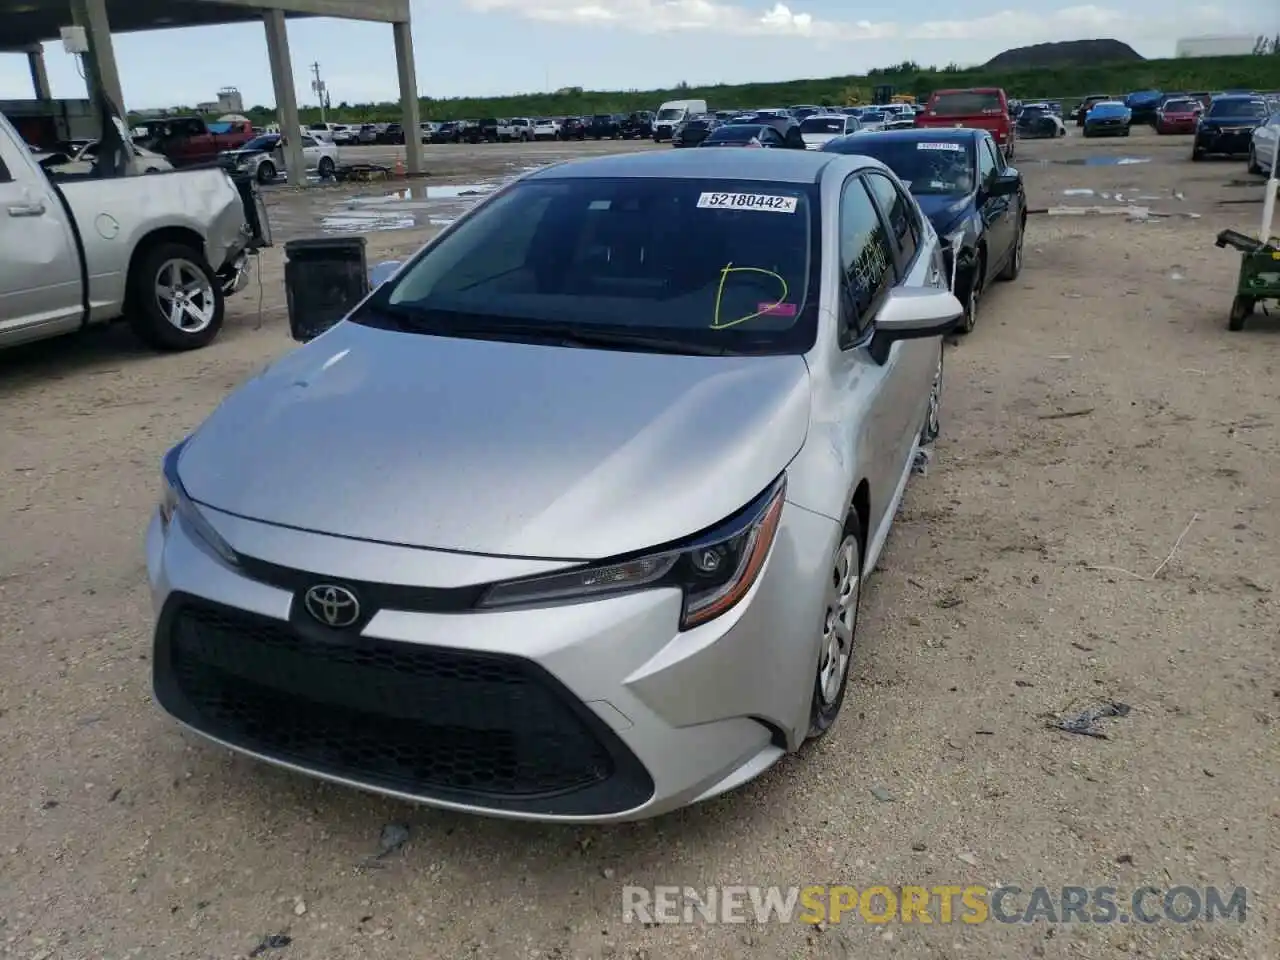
x=121, y=836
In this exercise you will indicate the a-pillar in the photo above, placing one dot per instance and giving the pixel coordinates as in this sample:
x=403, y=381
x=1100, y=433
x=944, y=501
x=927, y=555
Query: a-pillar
x=92, y=16
x=408, y=96
x=39, y=75
x=286, y=96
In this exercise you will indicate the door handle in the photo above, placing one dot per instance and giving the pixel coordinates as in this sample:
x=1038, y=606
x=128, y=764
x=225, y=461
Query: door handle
x=36, y=209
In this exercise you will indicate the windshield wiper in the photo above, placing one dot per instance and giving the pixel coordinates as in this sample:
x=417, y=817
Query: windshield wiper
x=482, y=327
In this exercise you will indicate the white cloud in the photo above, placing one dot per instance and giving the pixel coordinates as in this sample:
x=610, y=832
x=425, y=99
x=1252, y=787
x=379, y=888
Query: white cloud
x=668, y=16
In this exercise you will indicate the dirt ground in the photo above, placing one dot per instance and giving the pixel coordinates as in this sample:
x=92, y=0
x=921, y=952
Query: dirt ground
x=1100, y=414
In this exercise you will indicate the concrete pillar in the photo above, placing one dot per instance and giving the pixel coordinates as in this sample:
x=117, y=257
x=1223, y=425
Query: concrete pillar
x=408, y=96
x=39, y=76
x=101, y=59
x=286, y=95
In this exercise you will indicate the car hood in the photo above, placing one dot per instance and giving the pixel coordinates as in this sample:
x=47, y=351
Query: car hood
x=944, y=212
x=498, y=448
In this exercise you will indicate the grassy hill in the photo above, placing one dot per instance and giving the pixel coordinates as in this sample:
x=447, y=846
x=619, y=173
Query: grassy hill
x=1064, y=53
x=1059, y=82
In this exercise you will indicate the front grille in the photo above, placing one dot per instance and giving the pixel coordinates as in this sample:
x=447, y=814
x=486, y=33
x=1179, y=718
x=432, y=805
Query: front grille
x=480, y=729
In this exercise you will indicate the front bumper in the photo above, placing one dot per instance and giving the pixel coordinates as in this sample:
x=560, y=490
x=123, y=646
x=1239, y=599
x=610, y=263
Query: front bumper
x=1102, y=128
x=588, y=712
x=1231, y=141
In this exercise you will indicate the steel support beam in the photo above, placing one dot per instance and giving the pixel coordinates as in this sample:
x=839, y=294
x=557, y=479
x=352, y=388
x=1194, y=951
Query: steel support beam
x=377, y=11
x=286, y=96
x=92, y=16
x=408, y=96
x=39, y=75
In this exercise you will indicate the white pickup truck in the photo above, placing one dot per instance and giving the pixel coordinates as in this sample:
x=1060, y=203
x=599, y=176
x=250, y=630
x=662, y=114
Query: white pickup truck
x=519, y=129
x=163, y=249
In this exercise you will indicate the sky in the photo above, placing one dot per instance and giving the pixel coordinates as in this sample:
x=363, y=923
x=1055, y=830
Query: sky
x=491, y=47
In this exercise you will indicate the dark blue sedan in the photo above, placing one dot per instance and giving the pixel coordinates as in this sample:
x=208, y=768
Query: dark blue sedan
x=976, y=202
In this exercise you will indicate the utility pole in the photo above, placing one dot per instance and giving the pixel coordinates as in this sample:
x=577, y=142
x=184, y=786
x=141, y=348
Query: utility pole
x=321, y=91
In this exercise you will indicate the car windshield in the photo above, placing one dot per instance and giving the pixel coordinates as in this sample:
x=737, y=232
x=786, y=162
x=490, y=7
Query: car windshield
x=261, y=143
x=1182, y=106
x=669, y=114
x=1032, y=113
x=1238, y=108
x=822, y=125
x=684, y=265
x=966, y=103
x=936, y=167
x=696, y=125
x=1108, y=107
x=873, y=116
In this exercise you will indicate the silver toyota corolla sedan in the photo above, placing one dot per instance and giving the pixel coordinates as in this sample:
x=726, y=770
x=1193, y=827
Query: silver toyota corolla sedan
x=569, y=519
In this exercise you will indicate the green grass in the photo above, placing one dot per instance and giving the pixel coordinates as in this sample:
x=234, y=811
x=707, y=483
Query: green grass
x=1061, y=83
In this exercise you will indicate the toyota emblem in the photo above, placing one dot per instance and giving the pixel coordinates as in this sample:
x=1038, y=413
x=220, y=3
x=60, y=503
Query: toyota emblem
x=332, y=605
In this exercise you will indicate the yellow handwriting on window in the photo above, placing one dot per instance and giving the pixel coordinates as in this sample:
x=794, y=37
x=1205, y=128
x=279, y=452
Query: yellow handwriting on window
x=717, y=323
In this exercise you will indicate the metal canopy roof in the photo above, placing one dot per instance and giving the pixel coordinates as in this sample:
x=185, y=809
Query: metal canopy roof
x=27, y=22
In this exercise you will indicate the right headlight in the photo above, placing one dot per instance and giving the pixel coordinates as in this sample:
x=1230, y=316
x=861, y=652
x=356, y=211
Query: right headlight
x=174, y=503
x=713, y=570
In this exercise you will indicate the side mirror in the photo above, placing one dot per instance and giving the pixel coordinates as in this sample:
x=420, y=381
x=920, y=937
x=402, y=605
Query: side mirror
x=913, y=314
x=382, y=272
x=1005, y=184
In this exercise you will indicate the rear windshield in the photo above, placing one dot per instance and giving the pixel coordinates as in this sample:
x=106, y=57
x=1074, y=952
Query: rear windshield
x=708, y=263
x=822, y=125
x=1238, y=108
x=966, y=103
x=939, y=166
x=738, y=132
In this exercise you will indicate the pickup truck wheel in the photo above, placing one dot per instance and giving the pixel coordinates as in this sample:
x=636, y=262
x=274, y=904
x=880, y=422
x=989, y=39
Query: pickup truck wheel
x=176, y=301
x=266, y=172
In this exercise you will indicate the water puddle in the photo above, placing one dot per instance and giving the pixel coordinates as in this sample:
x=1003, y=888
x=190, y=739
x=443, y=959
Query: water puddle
x=1100, y=161
x=405, y=208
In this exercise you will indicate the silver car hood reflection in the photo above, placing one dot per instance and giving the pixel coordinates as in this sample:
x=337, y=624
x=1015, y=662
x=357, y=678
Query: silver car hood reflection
x=498, y=448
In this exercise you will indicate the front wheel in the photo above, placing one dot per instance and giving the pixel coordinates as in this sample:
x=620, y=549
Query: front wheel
x=1254, y=165
x=1241, y=308
x=326, y=168
x=1013, y=266
x=266, y=171
x=1197, y=154
x=972, y=296
x=175, y=301
x=839, y=630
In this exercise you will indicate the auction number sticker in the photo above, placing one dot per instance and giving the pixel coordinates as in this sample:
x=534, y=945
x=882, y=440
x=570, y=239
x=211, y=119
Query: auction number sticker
x=747, y=201
x=940, y=146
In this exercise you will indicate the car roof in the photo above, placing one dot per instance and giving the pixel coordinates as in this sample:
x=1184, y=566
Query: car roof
x=783, y=166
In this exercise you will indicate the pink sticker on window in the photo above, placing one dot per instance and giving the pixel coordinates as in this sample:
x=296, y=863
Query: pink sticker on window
x=776, y=309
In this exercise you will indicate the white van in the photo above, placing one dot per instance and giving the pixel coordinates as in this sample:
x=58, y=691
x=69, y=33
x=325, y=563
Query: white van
x=673, y=113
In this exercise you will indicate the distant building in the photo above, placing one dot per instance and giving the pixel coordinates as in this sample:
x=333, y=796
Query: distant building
x=1220, y=46
x=230, y=101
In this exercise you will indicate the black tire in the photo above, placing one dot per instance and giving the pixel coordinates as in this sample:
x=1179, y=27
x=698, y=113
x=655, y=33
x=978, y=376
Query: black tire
x=1241, y=308
x=1013, y=266
x=1197, y=154
x=326, y=168
x=146, y=316
x=825, y=706
x=266, y=172
x=1125, y=132
x=972, y=298
x=1254, y=165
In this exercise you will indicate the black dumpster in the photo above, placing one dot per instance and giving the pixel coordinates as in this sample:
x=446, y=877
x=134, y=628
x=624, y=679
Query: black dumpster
x=323, y=279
